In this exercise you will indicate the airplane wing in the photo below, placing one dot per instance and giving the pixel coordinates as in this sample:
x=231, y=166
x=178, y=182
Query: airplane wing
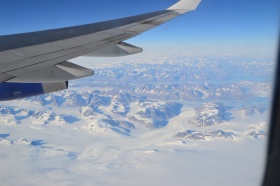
x=41, y=57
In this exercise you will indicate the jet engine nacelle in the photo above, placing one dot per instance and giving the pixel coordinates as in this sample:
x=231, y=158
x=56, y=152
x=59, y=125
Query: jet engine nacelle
x=11, y=91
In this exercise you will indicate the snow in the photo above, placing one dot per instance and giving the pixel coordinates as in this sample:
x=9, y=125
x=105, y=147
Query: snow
x=74, y=157
x=88, y=136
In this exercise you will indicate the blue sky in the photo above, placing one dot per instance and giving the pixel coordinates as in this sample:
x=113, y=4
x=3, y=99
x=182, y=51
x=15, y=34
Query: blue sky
x=216, y=27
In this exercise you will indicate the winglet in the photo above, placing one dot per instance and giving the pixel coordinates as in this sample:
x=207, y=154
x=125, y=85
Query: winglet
x=186, y=5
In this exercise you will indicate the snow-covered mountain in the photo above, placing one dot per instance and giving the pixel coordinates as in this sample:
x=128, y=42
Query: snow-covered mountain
x=210, y=114
x=194, y=135
x=132, y=114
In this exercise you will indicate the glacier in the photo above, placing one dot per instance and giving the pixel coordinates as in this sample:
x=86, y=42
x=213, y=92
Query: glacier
x=195, y=120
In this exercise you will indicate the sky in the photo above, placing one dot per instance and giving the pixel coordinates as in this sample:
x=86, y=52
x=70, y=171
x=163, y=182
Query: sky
x=215, y=27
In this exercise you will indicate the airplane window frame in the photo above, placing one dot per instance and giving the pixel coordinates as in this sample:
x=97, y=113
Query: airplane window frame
x=272, y=169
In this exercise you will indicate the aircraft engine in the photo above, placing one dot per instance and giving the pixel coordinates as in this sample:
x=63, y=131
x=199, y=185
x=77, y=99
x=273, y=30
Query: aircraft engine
x=11, y=91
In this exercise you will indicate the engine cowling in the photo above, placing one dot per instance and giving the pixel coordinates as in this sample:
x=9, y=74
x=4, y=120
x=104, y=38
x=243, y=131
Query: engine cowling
x=11, y=91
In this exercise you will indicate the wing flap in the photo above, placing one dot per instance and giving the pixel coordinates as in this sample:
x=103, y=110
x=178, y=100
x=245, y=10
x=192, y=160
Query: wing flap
x=67, y=43
x=141, y=28
x=163, y=19
x=9, y=56
x=61, y=72
x=37, y=50
x=91, y=38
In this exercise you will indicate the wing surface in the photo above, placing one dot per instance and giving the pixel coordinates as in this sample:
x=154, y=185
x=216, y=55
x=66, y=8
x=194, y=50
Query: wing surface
x=39, y=56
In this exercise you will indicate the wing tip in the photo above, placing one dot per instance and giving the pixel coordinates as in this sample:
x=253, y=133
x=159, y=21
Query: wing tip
x=185, y=5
